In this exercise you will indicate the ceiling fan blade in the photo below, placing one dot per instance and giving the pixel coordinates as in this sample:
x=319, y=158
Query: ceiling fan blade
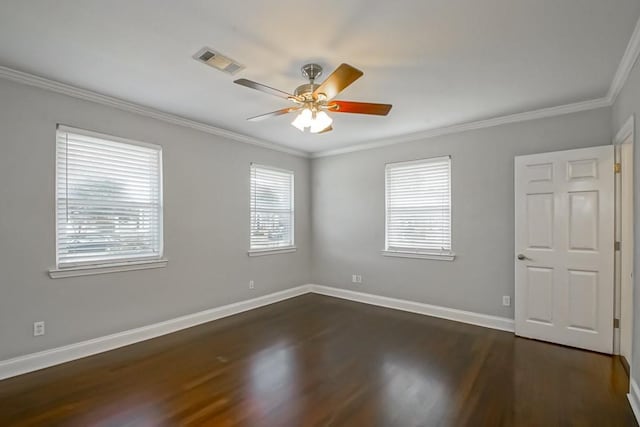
x=273, y=114
x=359, y=107
x=262, y=88
x=325, y=130
x=342, y=77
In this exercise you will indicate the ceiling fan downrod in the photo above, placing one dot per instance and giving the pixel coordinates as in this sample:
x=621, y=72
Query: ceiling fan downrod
x=311, y=72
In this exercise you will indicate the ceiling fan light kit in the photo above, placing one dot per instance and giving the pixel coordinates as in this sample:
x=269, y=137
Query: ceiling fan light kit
x=314, y=100
x=316, y=121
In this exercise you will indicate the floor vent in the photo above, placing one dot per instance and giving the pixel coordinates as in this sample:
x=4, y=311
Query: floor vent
x=217, y=60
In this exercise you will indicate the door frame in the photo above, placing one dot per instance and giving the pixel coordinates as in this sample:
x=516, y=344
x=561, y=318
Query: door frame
x=625, y=135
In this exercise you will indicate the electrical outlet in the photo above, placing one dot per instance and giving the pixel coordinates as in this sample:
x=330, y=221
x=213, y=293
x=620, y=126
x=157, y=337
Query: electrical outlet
x=506, y=300
x=38, y=329
x=251, y=284
x=356, y=278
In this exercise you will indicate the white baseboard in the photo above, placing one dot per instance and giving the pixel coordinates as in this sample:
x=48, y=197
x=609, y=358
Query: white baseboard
x=43, y=359
x=634, y=398
x=493, y=322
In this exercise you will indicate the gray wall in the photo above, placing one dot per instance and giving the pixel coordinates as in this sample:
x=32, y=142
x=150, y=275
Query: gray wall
x=628, y=103
x=206, y=220
x=348, y=213
x=206, y=223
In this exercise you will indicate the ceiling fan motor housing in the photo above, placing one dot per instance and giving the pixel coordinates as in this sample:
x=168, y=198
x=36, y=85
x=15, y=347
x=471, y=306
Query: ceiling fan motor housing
x=306, y=90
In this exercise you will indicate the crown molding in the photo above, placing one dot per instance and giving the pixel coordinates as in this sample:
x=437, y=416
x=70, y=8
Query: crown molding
x=626, y=64
x=620, y=78
x=463, y=127
x=87, y=95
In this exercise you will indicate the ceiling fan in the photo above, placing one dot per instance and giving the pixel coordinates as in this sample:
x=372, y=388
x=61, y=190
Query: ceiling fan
x=314, y=100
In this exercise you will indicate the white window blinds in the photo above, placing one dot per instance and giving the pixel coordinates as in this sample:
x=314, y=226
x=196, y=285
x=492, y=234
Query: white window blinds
x=108, y=199
x=272, y=208
x=418, y=206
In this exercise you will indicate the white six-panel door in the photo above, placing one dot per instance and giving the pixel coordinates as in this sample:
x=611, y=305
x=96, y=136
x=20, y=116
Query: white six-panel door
x=564, y=242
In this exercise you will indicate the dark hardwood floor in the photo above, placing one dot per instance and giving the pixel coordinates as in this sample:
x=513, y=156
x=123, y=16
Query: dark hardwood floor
x=315, y=360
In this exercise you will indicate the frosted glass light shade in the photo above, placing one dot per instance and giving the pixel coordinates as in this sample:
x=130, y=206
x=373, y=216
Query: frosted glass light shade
x=303, y=120
x=321, y=122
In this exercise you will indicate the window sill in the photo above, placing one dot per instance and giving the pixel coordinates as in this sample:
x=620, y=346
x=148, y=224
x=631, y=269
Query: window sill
x=409, y=254
x=89, y=270
x=261, y=252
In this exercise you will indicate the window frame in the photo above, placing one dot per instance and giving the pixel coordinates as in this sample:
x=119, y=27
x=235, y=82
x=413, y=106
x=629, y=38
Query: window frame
x=280, y=249
x=83, y=268
x=409, y=252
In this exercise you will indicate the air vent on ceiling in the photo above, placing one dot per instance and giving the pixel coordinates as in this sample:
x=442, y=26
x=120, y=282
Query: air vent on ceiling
x=217, y=60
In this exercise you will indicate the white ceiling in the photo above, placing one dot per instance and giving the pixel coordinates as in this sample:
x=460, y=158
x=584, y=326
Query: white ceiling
x=439, y=62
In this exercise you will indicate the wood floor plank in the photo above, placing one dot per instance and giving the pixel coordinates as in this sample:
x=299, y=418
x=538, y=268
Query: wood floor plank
x=320, y=361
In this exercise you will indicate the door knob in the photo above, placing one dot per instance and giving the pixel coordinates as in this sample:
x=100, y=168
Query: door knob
x=521, y=257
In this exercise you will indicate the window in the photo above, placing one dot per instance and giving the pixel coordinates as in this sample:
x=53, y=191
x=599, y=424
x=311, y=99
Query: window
x=272, y=210
x=108, y=199
x=418, y=209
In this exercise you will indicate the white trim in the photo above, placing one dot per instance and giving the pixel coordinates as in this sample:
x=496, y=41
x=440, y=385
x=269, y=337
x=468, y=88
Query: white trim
x=634, y=397
x=65, y=89
x=627, y=130
x=626, y=64
x=479, y=319
x=91, y=134
x=271, y=168
x=43, y=359
x=463, y=127
x=87, y=95
x=262, y=252
x=420, y=255
x=89, y=270
x=426, y=160
x=619, y=79
x=623, y=135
